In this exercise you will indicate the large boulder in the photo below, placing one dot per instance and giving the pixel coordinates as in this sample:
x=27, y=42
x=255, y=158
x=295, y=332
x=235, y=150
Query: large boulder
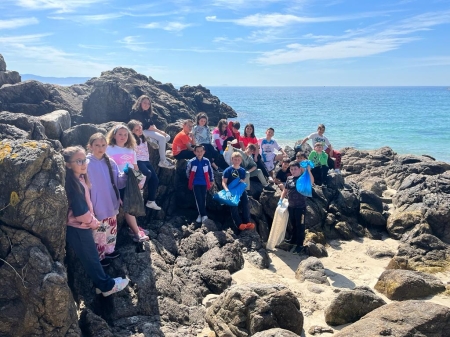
x=9, y=77
x=350, y=305
x=244, y=310
x=312, y=270
x=2, y=63
x=12, y=132
x=401, y=222
x=33, y=196
x=275, y=332
x=402, y=319
x=80, y=134
x=55, y=123
x=400, y=285
x=30, y=124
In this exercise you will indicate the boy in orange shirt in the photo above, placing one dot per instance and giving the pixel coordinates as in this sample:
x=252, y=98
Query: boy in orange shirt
x=183, y=143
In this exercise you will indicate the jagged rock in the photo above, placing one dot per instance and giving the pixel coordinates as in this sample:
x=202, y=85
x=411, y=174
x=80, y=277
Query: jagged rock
x=93, y=325
x=371, y=218
x=33, y=196
x=27, y=123
x=424, y=253
x=350, y=305
x=9, y=77
x=244, y=310
x=315, y=329
x=55, y=123
x=2, y=63
x=402, y=319
x=379, y=252
x=344, y=230
x=311, y=270
x=401, y=222
x=316, y=249
x=12, y=132
x=80, y=134
x=371, y=200
x=276, y=332
x=35, y=297
x=403, y=285
x=252, y=247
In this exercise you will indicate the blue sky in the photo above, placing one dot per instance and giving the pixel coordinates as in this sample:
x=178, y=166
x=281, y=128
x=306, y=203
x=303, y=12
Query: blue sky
x=233, y=42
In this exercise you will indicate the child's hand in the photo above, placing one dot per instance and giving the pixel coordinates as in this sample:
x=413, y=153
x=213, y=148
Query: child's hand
x=228, y=195
x=126, y=168
x=280, y=202
x=221, y=151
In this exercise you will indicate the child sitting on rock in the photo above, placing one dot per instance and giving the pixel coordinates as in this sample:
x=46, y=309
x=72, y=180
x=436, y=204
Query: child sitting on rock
x=267, y=147
x=235, y=171
x=250, y=167
x=320, y=161
x=283, y=173
x=200, y=175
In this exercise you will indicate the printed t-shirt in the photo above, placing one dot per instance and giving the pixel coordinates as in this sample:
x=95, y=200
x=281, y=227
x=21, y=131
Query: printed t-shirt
x=231, y=173
x=143, y=117
x=142, y=152
x=283, y=175
x=316, y=138
x=202, y=134
x=122, y=156
x=295, y=199
x=180, y=142
x=318, y=159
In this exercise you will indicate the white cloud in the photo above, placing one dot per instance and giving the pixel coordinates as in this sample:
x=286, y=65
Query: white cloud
x=16, y=23
x=97, y=18
x=61, y=6
x=169, y=26
x=133, y=43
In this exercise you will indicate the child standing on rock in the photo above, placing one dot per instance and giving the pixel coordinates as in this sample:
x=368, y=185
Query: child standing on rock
x=143, y=163
x=202, y=136
x=121, y=146
x=200, y=175
x=106, y=180
x=297, y=205
x=320, y=161
x=81, y=222
x=235, y=171
x=267, y=147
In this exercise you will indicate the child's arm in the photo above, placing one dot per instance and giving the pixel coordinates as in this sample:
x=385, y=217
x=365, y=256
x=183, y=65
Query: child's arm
x=211, y=172
x=310, y=174
x=224, y=184
x=188, y=168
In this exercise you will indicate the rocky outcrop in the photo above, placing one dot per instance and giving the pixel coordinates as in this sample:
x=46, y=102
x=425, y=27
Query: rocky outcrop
x=245, y=310
x=7, y=77
x=350, y=305
x=418, y=318
x=55, y=123
x=311, y=270
x=275, y=333
x=31, y=125
x=403, y=285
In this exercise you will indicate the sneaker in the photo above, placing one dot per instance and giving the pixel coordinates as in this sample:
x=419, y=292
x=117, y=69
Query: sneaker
x=298, y=250
x=337, y=171
x=119, y=284
x=104, y=263
x=152, y=205
x=141, y=237
x=112, y=255
x=250, y=225
x=246, y=226
x=268, y=187
x=271, y=180
x=165, y=164
x=204, y=218
x=199, y=219
x=131, y=233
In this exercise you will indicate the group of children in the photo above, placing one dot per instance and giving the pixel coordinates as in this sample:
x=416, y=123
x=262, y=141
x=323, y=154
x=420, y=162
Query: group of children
x=95, y=182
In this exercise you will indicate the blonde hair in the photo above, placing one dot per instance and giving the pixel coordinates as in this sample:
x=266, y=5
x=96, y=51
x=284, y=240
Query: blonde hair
x=236, y=154
x=130, y=143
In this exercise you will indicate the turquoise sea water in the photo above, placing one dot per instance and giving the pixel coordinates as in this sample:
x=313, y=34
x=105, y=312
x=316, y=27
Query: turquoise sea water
x=412, y=120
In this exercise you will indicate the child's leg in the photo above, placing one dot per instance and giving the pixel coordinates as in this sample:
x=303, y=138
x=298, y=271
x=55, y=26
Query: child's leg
x=247, y=179
x=299, y=225
x=317, y=174
x=100, y=239
x=147, y=170
x=132, y=223
x=262, y=167
x=324, y=172
x=200, y=198
x=245, y=209
x=258, y=173
x=111, y=234
x=82, y=242
x=235, y=216
x=293, y=237
x=162, y=140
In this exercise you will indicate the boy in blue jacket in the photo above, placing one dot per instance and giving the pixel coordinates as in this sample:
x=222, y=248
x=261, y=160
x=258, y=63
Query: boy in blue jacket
x=200, y=175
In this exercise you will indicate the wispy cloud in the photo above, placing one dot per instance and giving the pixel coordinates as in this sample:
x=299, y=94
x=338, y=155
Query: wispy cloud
x=234, y=4
x=97, y=18
x=351, y=46
x=169, y=26
x=281, y=20
x=61, y=6
x=17, y=23
x=133, y=43
x=92, y=46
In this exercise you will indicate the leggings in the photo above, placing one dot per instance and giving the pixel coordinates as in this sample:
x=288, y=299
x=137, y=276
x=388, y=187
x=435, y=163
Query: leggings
x=105, y=236
x=162, y=140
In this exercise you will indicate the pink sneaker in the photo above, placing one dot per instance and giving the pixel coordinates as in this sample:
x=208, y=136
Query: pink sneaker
x=140, y=237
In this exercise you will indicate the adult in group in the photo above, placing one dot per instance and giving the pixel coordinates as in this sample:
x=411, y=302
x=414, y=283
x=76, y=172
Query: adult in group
x=318, y=137
x=183, y=143
x=142, y=111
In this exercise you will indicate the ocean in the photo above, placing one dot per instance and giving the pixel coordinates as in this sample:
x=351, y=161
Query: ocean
x=410, y=120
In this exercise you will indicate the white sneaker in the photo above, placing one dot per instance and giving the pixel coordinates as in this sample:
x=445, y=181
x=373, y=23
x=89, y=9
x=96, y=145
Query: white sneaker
x=165, y=164
x=204, y=218
x=152, y=205
x=337, y=171
x=120, y=284
x=199, y=219
x=271, y=180
x=140, y=237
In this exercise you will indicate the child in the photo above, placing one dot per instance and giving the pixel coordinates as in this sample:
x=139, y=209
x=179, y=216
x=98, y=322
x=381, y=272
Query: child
x=121, y=146
x=200, y=175
x=202, y=136
x=250, y=167
x=267, y=149
x=142, y=111
x=318, y=137
x=233, y=128
x=283, y=173
x=106, y=181
x=220, y=135
x=229, y=174
x=297, y=205
x=81, y=222
x=320, y=159
x=250, y=138
x=143, y=163
x=183, y=143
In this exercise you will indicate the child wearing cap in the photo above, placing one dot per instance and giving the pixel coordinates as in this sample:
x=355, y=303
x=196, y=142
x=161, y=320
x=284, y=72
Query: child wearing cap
x=320, y=160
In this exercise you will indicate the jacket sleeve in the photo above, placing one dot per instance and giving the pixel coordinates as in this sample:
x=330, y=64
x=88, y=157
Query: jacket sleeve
x=188, y=168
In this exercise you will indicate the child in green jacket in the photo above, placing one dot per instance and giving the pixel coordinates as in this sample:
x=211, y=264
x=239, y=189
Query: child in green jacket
x=320, y=159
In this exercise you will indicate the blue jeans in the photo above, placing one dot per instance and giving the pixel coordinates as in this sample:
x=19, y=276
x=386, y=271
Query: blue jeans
x=200, y=198
x=147, y=170
x=82, y=242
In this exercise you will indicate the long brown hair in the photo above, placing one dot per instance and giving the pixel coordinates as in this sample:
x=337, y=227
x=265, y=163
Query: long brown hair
x=72, y=184
x=131, y=125
x=219, y=126
x=91, y=141
x=130, y=143
x=137, y=105
x=200, y=116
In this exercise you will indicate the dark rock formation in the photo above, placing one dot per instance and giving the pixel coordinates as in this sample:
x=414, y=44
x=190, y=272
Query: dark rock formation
x=7, y=77
x=245, y=310
x=311, y=270
x=350, y=305
x=276, y=332
x=31, y=125
x=418, y=318
x=403, y=285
